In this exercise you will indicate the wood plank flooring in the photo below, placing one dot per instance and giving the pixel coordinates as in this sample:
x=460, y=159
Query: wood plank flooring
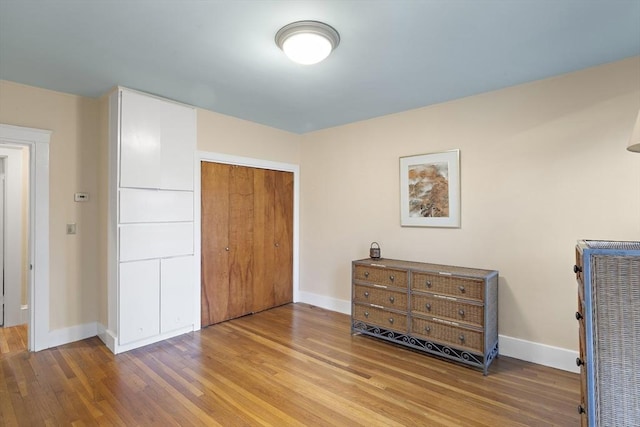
x=295, y=365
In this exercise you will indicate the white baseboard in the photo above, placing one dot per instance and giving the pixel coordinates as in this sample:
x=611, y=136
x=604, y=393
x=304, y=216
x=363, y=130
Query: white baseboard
x=107, y=337
x=71, y=334
x=333, y=304
x=541, y=354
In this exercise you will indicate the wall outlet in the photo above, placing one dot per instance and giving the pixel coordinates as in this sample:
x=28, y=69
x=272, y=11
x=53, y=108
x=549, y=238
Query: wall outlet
x=71, y=228
x=81, y=197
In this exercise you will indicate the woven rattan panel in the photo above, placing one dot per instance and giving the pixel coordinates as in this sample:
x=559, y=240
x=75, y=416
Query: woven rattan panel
x=386, y=277
x=383, y=297
x=616, y=305
x=447, y=334
x=380, y=317
x=456, y=287
x=454, y=310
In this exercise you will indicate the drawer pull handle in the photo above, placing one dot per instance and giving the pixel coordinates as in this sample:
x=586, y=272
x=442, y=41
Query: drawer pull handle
x=461, y=313
x=581, y=409
x=461, y=289
x=578, y=315
x=366, y=294
x=391, y=320
x=427, y=329
x=428, y=284
x=579, y=362
x=226, y=249
x=392, y=277
x=392, y=300
x=428, y=306
x=461, y=337
x=366, y=274
x=366, y=314
x=577, y=269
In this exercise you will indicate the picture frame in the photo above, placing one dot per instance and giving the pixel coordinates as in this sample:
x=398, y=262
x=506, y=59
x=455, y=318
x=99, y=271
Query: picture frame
x=430, y=190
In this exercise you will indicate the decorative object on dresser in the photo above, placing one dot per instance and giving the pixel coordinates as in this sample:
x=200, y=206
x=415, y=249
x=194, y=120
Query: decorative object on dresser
x=608, y=275
x=442, y=310
x=374, y=252
x=430, y=190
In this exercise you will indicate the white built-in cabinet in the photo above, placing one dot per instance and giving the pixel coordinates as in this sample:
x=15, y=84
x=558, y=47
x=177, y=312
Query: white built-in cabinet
x=151, y=266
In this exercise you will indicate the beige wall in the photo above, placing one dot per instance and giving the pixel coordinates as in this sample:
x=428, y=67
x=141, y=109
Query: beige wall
x=73, y=163
x=228, y=135
x=542, y=165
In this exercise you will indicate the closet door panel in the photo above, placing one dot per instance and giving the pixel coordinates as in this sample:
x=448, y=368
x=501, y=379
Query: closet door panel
x=176, y=293
x=283, y=230
x=140, y=140
x=155, y=206
x=240, y=240
x=215, y=292
x=139, y=308
x=263, y=296
x=145, y=241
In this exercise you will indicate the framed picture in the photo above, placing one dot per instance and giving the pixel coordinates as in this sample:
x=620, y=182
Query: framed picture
x=430, y=190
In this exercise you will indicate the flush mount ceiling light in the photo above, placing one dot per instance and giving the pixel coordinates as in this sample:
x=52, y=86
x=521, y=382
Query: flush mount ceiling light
x=307, y=42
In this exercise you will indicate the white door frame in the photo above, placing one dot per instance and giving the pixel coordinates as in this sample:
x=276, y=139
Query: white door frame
x=13, y=238
x=37, y=140
x=205, y=156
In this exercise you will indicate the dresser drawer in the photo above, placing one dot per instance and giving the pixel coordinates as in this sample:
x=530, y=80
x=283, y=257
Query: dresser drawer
x=381, y=276
x=457, y=287
x=382, y=297
x=446, y=333
x=433, y=305
x=380, y=317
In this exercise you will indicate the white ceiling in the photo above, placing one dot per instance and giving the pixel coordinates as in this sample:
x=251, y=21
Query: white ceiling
x=394, y=55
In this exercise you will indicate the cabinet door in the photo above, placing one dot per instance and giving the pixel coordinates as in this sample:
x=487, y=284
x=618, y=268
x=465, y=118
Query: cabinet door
x=139, y=300
x=178, y=147
x=176, y=293
x=157, y=143
x=140, y=140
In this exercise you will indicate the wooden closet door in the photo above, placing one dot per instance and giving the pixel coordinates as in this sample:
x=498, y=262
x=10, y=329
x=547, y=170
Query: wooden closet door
x=264, y=239
x=283, y=232
x=215, y=291
x=247, y=240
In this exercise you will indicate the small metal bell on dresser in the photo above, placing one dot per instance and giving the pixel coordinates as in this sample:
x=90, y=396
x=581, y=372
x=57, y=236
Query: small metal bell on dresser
x=374, y=252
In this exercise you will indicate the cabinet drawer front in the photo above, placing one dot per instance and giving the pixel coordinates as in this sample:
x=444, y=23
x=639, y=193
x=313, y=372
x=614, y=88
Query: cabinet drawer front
x=382, y=276
x=454, y=310
x=446, y=333
x=458, y=287
x=160, y=240
x=140, y=206
x=383, y=297
x=379, y=317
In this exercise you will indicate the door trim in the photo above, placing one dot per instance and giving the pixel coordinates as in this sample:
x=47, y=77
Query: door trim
x=37, y=140
x=205, y=156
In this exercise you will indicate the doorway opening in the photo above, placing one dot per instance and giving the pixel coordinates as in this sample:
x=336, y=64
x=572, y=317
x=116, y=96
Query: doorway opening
x=32, y=260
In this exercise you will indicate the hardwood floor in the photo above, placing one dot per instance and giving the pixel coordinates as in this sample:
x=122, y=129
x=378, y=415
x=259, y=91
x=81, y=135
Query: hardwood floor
x=294, y=365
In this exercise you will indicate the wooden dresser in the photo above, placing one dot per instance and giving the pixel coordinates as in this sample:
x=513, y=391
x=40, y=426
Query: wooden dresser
x=442, y=310
x=608, y=275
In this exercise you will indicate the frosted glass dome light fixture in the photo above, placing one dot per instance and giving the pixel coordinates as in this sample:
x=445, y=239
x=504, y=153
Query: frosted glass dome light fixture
x=307, y=42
